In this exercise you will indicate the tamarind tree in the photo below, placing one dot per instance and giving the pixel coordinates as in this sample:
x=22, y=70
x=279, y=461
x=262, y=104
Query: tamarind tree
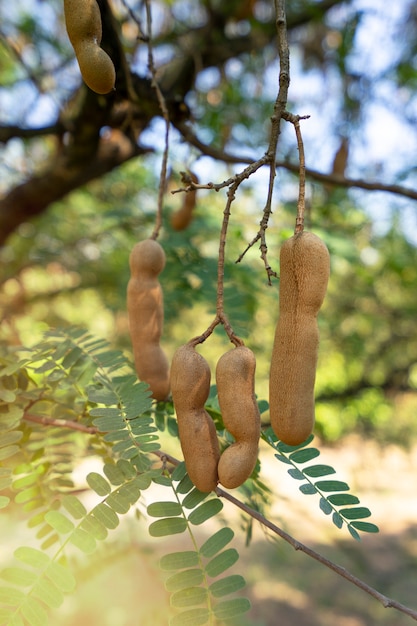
x=230, y=125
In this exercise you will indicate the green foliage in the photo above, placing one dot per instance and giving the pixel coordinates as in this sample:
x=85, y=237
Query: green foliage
x=334, y=499
x=73, y=396
x=198, y=597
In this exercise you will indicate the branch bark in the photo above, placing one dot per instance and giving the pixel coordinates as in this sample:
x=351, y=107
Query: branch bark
x=81, y=155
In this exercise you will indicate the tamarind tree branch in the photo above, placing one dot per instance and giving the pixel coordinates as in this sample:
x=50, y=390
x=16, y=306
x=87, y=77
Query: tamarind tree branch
x=297, y=545
x=221, y=493
x=321, y=177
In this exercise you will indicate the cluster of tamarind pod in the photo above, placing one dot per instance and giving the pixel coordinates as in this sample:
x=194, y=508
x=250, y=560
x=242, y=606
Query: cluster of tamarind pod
x=84, y=28
x=189, y=382
x=304, y=274
x=190, y=386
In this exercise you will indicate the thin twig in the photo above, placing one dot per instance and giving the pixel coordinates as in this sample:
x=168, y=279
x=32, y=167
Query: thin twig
x=299, y=220
x=60, y=423
x=165, y=115
x=321, y=177
x=297, y=545
x=279, y=110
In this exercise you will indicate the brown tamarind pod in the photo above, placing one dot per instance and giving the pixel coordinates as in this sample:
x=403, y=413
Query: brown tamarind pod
x=304, y=274
x=235, y=379
x=146, y=316
x=84, y=28
x=182, y=218
x=190, y=387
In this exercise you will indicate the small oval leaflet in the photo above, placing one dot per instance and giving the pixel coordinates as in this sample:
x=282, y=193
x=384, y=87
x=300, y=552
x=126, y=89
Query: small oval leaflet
x=226, y=585
x=167, y=526
x=229, y=609
x=98, y=484
x=222, y=562
x=164, y=509
x=184, y=579
x=192, y=617
x=356, y=512
x=217, y=542
x=190, y=596
x=179, y=560
x=205, y=511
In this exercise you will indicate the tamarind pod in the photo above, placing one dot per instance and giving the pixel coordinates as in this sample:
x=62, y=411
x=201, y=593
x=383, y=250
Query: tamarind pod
x=84, y=28
x=304, y=274
x=96, y=67
x=235, y=378
x=190, y=387
x=182, y=218
x=146, y=316
x=82, y=21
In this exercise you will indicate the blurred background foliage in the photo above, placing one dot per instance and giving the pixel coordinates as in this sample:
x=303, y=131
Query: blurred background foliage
x=356, y=79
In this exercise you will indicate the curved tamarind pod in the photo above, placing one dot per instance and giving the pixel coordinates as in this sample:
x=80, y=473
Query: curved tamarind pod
x=304, y=274
x=84, y=28
x=235, y=378
x=190, y=386
x=146, y=316
x=96, y=67
x=182, y=218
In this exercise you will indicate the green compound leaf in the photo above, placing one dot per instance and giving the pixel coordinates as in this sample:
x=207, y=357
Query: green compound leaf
x=59, y=522
x=356, y=512
x=208, y=509
x=216, y=542
x=229, y=609
x=227, y=585
x=164, y=509
x=98, y=484
x=222, y=562
x=167, y=526
x=192, y=617
x=184, y=579
x=179, y=560
x=314, y=471
x=191, y=596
